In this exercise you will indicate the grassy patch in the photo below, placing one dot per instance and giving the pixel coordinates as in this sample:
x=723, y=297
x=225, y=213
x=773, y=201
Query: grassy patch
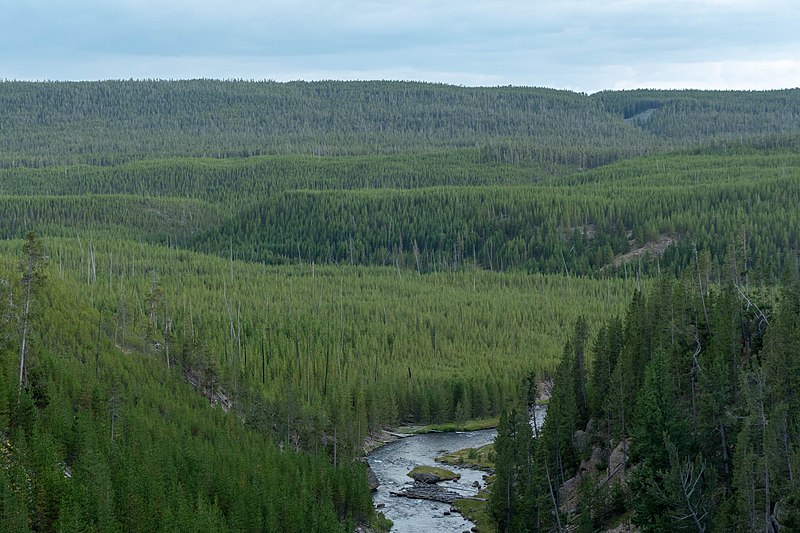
x=478, y=458
x=469, y=425
x=381, y=524
x=445, y=475
x=477, y=511
x=483, y=459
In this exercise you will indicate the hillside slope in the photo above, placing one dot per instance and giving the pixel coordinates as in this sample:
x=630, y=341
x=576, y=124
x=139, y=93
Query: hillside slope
x=101, y=439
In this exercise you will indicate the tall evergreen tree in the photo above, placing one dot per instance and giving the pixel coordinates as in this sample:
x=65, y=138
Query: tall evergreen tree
x=513, y=502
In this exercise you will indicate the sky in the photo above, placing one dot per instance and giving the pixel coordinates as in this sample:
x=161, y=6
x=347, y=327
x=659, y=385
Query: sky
x=580, y=45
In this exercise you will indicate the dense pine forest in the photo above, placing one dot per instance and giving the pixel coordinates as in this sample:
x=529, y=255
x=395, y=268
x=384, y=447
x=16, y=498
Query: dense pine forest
x=215, y=292
x=679, y=415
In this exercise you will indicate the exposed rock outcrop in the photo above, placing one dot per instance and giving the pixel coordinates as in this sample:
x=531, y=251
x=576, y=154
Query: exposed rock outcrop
x=432, y=474
x=372, y=479
x=618, y=458
x=426, y=477
x=595, y=464
x=568, y=492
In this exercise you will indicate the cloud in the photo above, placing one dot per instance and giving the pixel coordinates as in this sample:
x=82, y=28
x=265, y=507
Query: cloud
x=578, y=44
x=741, y=75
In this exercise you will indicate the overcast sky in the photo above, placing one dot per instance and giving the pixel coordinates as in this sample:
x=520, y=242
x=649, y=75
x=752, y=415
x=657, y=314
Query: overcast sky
x=583, y=45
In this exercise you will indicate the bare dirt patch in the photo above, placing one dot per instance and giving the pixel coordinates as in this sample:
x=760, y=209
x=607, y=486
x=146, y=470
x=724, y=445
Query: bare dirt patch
x=653, y=248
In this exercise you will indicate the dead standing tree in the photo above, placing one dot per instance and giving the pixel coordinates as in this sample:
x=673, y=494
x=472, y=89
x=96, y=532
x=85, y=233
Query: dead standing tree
x=32, y=265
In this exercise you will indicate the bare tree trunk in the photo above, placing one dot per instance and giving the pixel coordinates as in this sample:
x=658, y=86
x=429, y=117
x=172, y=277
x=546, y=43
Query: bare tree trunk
x=23, y=345
x=351, y=251
x=124, y=316
x=763, y=423
x=297, y=356
x=233, y=329
x=702, y=293
x=113, y=415
x=308, y=372
x=724, y=442
x=97, y=354
x=94, y=264
x=688, y=484
x=239, y=335
x=787, y=446
x=553, y=498
x=288, y=414
x=325, y=381
x=341, y=323
x=693, y=377
x=263, y=366
x=622, y=434
x=166, y=332
x=435, y=358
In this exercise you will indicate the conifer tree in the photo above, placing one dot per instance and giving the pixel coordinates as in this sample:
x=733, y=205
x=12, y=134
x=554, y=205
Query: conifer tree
x=513, y=502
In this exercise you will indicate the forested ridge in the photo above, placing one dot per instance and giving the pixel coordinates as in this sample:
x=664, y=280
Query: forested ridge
x=216, y=291
x=704, y=202
x=104, y=123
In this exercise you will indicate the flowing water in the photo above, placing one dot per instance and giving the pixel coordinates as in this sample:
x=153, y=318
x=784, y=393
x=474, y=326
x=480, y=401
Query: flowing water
x=392, y=462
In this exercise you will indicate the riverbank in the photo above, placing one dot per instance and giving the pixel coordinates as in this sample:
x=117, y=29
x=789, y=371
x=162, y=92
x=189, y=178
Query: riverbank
x=386, y=436
x=467, y=425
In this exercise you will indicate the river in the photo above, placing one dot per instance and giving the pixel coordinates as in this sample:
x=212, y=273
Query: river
x=393, y=461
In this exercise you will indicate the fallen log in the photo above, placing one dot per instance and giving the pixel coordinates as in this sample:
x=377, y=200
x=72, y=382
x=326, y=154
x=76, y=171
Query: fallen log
x=423, y=491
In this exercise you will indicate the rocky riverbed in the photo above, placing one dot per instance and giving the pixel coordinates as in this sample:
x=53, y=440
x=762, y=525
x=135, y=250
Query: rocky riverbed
x=392, y=463
x=415, y=506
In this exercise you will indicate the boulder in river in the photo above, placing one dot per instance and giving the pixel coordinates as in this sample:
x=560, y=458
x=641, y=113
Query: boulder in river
x=372, y=479
x=432, y=474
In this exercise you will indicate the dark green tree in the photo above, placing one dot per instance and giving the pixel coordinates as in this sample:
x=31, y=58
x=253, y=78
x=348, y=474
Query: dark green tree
x=513, y=502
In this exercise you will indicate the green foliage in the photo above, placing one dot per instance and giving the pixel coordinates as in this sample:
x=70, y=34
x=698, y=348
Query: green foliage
x=513, y=504
x=713, y=436
x=130, y=446
x=381, y=524
x=259, y=330
x=103, y=123
x=692, y=115
x=606, y=350
x=567, y=408
x=480, y=458
x=659, y=420
x=582, y=226
x=676, y=498
x=247, y=278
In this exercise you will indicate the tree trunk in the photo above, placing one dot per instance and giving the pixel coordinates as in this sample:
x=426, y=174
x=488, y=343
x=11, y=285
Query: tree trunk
x=553, y=497
x=23, y=345
x=97, y=354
